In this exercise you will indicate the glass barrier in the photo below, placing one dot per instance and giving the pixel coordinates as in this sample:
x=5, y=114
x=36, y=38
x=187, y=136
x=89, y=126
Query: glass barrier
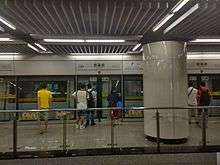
x=165, y=129
x=84, y=133
x=6, y=138
x=39, y=131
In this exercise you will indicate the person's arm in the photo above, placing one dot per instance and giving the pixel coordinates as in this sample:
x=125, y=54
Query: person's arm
x=50, y=101
x=74, y=96
x=38, y=100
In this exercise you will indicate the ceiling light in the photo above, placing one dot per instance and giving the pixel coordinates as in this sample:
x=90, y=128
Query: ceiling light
x=10, y=25
x=32, y=47
x=164, y=20
x=105, y=40
x=206, y=40
x=9, y=53
x=63, y=40
x=203, y=55
x=180, y=19
x=141, y=50
x=6, y=39
x=2, y=29
x=179, y=5
x=40, y=46
x=136, y=47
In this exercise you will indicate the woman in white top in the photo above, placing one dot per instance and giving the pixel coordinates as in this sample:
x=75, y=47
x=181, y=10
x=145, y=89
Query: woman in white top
x=80, y=96
x=192, y=101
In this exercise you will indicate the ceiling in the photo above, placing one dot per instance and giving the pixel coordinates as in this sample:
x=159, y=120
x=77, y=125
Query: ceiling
x=132, y=20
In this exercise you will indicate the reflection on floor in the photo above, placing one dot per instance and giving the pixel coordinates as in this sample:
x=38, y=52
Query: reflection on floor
x=129, y=133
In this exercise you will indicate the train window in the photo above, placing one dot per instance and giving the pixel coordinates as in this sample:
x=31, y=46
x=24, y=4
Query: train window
x=27, y=94
x=133, y=94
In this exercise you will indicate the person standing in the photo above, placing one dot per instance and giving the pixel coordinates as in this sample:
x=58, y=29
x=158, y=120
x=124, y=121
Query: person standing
x=192, y=102
x=81, y=96
x=204, y=99
x=112, y=102
x=44, y=101
x=91, y=102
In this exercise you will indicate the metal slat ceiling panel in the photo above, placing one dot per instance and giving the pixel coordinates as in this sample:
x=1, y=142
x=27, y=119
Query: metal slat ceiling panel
x=71, y=17
x=65, y=49
x=16, y=48
x=112, y=18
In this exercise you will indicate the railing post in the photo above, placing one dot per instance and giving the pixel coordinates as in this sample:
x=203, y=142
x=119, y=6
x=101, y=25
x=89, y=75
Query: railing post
x=158, y=130
x=15, y=134
x=203, y=128
x=112, y=129
x=64, y=132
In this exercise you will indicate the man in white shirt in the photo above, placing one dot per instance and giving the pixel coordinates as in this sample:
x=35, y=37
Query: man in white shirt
x=80, y=96
x=192, y=101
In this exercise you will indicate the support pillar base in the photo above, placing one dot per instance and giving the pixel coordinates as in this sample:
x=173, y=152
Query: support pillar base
x=167, y=141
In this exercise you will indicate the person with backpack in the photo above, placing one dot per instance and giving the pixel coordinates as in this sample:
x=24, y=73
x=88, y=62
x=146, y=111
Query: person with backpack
x=81, y=96
x=112, y=102
x=204, y=99
x=192, y=102
x=91, y=103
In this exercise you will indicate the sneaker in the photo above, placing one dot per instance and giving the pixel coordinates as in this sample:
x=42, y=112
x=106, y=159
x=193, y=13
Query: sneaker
x=81, y=127
x=77, y=126
x=87, y=124
x=93, y=124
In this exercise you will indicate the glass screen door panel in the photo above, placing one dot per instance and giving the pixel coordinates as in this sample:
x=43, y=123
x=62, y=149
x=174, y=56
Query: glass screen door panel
x=110, y=83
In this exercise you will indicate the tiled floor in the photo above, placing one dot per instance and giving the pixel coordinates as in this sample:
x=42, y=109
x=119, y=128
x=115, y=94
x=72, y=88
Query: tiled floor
x=129, y=133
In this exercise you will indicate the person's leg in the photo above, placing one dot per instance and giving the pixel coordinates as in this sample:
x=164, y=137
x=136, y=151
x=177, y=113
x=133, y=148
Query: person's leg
x=206, y=117
x=77, y=119
x=190, y=115
x=45, y=115
x=92, y=117
x=196, y=115
x=40, y=123
x=99, y=115
x=87, y=117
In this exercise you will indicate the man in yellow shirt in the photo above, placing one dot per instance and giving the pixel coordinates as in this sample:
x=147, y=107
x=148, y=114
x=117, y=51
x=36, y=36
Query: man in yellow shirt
x=44, y=99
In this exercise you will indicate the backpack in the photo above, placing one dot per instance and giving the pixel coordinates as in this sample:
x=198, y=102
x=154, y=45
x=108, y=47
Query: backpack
x=205, y=98
x=90, y=100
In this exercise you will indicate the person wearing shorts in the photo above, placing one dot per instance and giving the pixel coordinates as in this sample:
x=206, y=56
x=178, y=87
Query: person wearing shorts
x=81, y=96
x=44, y=98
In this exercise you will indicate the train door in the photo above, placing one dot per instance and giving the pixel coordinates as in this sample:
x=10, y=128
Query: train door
x=7, y=96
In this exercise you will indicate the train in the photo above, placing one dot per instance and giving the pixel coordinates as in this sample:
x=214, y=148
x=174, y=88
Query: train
x=21, y=75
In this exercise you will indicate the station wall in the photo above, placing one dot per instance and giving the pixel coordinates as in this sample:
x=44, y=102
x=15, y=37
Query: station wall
x=90, y=65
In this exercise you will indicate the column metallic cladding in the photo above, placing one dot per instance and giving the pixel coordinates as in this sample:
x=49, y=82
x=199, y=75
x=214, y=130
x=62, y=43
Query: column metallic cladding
x=165, y=84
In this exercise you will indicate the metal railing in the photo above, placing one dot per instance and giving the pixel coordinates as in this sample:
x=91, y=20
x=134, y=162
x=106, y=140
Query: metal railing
x=112, y=124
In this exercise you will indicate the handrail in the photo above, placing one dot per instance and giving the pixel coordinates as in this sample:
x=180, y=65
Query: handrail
x=109, y=108
x=64, y=146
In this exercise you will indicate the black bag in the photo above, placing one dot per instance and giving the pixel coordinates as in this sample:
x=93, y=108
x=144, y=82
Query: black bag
x=90, y=100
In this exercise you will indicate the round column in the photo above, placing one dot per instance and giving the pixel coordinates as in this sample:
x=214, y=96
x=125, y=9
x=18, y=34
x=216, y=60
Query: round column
x=165, y=85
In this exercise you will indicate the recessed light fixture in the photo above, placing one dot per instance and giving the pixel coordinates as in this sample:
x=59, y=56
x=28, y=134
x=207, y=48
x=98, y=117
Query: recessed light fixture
x=6, y=53
x=7, y=23
x=136, y=47
x=40, y=46
x=2, y=29
x=32, y=47
x=180, y=19
x=63, y=40
x=94, y=40
x=203, y=55
x=6, y=39
x=206, y=40
x=175, y=9
x=141, y=50
x=163, y=21
x=179, y=5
